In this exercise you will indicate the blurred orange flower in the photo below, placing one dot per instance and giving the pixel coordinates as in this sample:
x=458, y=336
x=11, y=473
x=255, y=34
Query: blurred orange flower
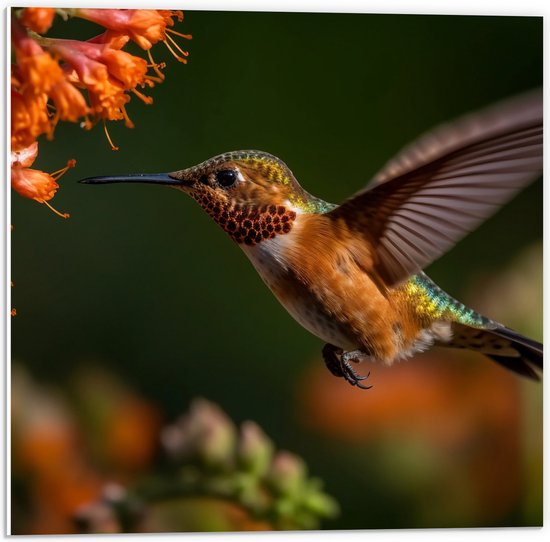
x=124, y=425
x=130, y=434
x=425, y=396
x=467, y=415
x=46, y=449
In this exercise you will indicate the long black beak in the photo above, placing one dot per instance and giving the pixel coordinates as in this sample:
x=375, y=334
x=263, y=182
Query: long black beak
x=150, y=178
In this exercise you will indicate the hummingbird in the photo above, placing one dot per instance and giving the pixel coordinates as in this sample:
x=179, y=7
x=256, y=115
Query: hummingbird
x=351, y=274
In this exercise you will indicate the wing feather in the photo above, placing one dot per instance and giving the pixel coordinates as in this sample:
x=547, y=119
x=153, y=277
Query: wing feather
x=444, y=185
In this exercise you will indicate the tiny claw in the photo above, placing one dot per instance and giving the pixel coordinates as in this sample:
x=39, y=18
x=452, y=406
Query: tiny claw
x=359, y=385
x=352, y=377
x=338, y=364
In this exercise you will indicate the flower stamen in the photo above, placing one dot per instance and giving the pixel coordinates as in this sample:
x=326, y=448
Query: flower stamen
x=145, y=99
x=57, y=174
x=156, y=67
x=127, y=121
x=176, y=45
x=150, y=81
x=62, y=215
x=174, y=54
x=113, y=146
x=186, y=36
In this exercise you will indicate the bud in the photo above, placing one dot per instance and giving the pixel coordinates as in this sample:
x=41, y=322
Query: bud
x=206, y=433
x=255, y=449
x=288, y=473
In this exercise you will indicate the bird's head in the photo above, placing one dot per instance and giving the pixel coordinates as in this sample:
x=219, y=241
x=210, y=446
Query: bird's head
x=245, y=178
x=252, y=195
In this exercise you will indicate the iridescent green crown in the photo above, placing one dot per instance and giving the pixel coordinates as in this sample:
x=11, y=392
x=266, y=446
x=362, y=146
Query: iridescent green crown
x=266, y=164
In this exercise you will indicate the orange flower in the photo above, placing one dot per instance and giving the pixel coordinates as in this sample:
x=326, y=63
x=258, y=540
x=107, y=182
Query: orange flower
x=33, y=183
x=29, y=118
x=69, y=102
x=144, y=26
x=127, y=69
x=99, y=66
x=107, y=73
x=38, y=19
x=39, y=71
x=108, y=99
x=112, y=39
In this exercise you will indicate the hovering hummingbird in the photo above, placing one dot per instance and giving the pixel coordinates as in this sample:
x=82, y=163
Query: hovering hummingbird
x=351, y=274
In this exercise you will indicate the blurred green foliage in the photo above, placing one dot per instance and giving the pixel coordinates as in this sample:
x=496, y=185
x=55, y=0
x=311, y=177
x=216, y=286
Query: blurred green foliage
x=141, y=282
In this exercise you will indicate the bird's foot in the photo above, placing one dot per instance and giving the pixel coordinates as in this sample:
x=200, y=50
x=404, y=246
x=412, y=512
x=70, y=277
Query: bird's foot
x=338, y=363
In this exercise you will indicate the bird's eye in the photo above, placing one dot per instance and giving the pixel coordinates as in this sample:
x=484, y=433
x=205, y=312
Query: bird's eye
x=226, y=177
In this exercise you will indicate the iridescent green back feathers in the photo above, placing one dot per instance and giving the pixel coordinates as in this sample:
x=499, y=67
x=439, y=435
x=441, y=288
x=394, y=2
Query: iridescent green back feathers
x=432, y=303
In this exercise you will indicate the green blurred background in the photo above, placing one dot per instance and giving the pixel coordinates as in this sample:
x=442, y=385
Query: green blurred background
x=140, y=281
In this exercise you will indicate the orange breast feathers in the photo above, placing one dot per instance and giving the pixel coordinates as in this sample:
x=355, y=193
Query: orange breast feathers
x=333, y=264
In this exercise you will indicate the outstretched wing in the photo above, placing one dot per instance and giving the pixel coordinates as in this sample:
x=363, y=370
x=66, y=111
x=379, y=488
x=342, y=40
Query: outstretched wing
x=445, y=184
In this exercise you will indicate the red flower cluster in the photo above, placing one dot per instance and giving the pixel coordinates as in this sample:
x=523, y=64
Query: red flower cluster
x=50, y=74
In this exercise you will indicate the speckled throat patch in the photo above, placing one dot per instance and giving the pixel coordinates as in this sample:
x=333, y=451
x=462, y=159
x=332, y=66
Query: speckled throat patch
x=244, y=224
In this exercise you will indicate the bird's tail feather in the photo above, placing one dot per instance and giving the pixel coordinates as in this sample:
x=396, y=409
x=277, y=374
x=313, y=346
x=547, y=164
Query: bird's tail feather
x=503, y=345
